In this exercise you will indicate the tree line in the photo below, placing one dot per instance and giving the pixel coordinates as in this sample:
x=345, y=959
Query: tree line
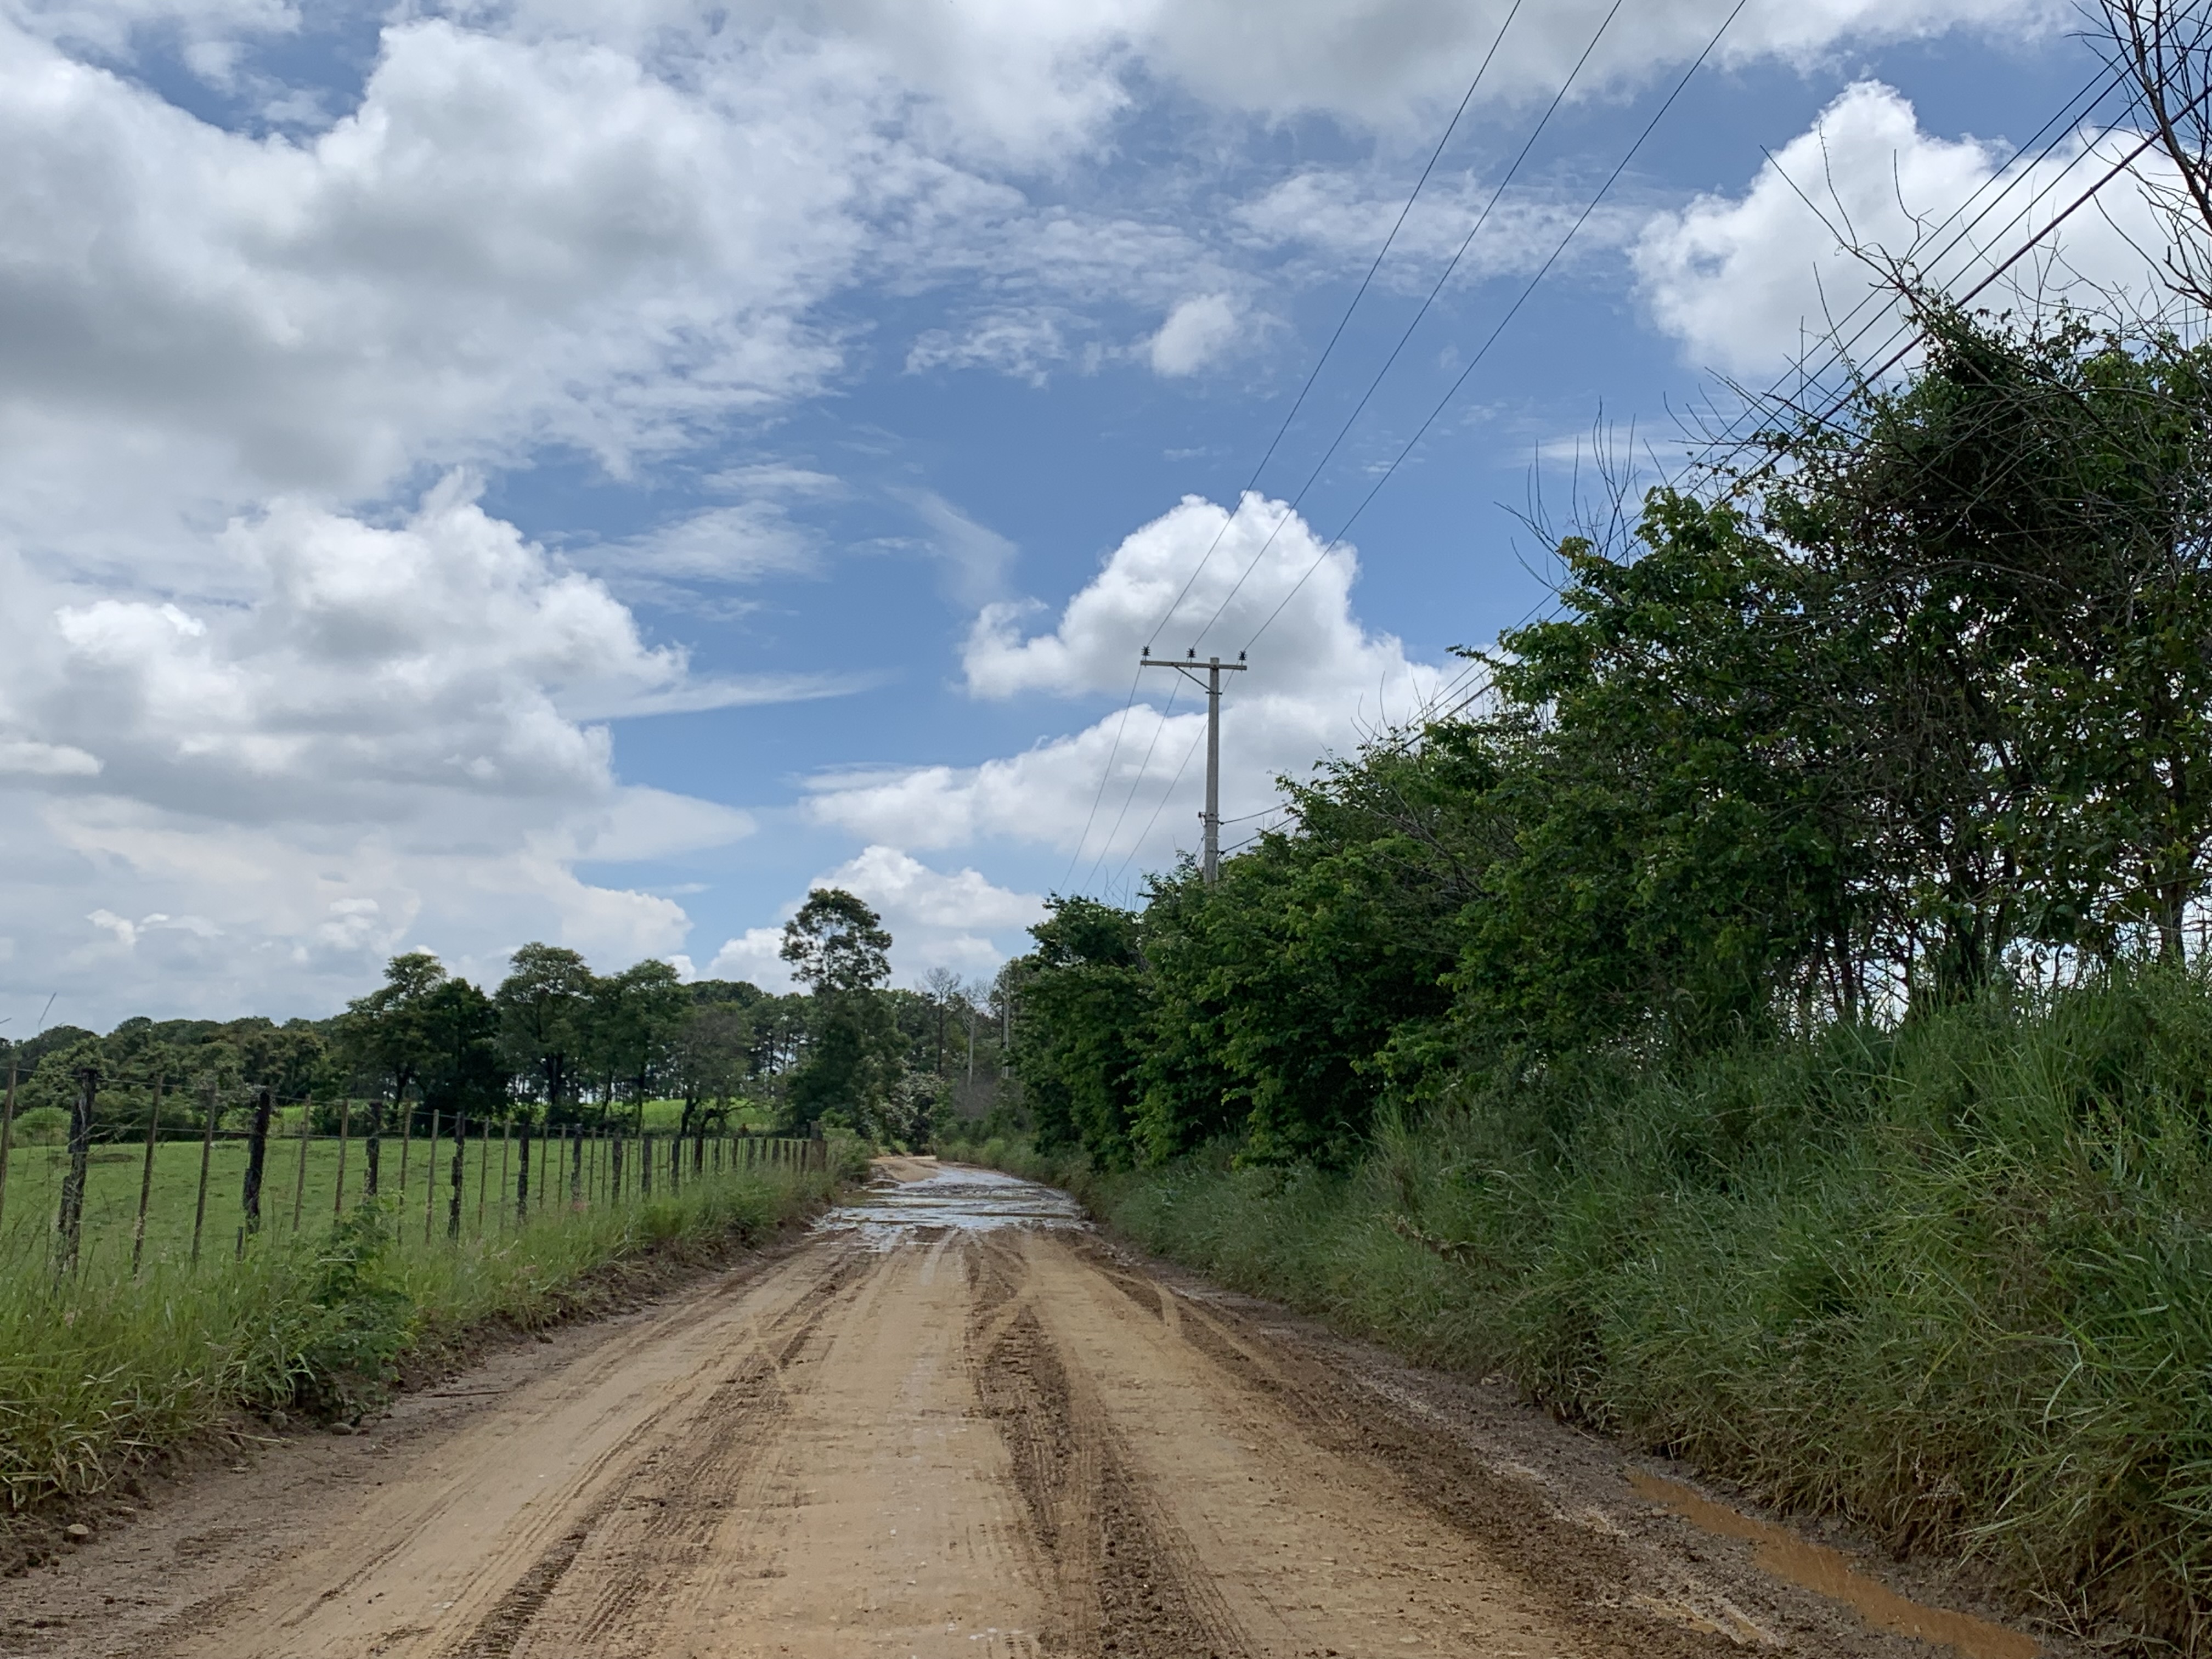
x=1909, y=704
x=556, y=1045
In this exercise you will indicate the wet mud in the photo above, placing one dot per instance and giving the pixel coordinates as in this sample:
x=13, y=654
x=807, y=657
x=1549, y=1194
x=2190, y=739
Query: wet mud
x=956, y=1422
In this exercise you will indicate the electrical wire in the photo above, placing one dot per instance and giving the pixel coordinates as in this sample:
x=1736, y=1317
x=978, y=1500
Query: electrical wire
x=1344, y=321
x=1427, y=302
x=1106, y=849
x=1166, y=795
x=1113, y=751
x=2085, y=99
x=2093, y=92
x=1512, y=311
x=2013, y=259
x=2012, y=177
x=1468, y=241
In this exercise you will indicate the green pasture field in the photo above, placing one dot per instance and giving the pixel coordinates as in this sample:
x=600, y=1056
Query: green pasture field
x=310, y=1195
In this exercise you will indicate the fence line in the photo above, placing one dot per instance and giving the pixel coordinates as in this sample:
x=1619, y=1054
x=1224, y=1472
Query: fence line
x=70, y=1203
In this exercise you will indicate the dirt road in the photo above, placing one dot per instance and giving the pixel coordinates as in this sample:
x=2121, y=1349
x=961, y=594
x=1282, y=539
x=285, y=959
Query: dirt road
x=951, y=1423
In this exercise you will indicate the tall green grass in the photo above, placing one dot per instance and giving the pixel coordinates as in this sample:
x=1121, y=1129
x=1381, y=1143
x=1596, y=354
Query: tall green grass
x=1953, y=1282
x=99, y=1371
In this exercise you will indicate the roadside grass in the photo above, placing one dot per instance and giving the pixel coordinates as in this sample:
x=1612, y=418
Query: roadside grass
x=99, y=1373
x=1953, y=1282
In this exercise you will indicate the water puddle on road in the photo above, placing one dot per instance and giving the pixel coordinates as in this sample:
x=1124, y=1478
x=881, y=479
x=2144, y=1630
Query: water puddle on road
x=911, y=1196
x=1829, y=1572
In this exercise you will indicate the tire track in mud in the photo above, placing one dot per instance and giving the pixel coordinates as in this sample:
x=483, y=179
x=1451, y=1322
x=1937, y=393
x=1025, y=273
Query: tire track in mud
x=993, y=1440
x=737, y=1415
x=462, y=1518
x=1128, y=1582
x=1310, y=1552
x=1580, y=1570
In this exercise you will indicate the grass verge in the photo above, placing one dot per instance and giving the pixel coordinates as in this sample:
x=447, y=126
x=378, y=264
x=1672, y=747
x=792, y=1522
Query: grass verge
x=102, y=1375
x=1953, y=1283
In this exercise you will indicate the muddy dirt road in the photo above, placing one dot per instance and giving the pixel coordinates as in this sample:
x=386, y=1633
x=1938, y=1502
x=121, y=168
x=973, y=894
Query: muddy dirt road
x=951, y=1422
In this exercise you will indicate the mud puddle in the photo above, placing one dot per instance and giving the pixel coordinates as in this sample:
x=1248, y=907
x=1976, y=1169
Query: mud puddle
x=1829, y=1572
x=920, y=1197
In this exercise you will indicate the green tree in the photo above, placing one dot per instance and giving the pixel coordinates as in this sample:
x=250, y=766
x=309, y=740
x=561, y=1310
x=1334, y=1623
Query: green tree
x=545, y=1007
x=637, y=1014
x=462, y=1070
x=709, y=1058
x=387, y=1033
x=836, y=947
x=1084, y=1002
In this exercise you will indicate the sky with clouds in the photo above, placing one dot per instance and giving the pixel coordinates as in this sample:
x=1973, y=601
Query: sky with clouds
x=479, y=472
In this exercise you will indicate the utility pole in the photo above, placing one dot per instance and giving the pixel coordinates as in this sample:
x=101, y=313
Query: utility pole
x=1213, y=668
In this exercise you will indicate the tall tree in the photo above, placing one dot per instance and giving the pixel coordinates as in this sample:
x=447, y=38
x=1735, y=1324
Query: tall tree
x=637, y=1014
x=543, y=1005
x=837, y=948
x=388, y=1032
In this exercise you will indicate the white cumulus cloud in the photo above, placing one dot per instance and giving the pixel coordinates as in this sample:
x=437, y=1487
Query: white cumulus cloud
x=1748, y=283
x=1317, y=681
x=1196, y=332
x=959, y=919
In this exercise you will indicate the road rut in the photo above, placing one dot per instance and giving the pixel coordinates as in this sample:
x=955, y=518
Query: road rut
x=951, y=1423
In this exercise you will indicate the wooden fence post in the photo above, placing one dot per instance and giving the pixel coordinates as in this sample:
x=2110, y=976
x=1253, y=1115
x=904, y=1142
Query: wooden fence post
x=146, y=1178
x=460, y=1174
x=372, y=1147
x=430, y=1178
x=522, y=1177
x=79, y=1159
x=337, y=1189
x=406, y=1140
x=207, y=1155
x=299, y=1176
x=256, y=1155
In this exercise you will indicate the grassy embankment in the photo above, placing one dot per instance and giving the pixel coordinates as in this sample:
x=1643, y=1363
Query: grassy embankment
x=99, y=1371
x=1954, y=1282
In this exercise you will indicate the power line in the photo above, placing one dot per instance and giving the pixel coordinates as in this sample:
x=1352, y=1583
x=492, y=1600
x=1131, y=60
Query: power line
x=1113, y=751
x=2012, y=259
x=1511, y=312
x=2011, y=178
x=2055, y=128
x=1468, y=241
x=1344, y=321
x=1105, y=773
x=1166, y=795
x=1106, y=848
x=2094, y=91
x=1429, y=300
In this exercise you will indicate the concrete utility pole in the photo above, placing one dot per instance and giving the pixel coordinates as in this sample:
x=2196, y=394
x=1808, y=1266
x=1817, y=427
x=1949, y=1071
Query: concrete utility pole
x=1213, y=668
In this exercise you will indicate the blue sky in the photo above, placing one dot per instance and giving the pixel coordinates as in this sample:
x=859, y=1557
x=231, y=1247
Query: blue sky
x=483, y=473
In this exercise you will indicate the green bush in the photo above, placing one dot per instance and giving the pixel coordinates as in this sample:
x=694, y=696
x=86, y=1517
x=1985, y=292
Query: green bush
x=1954, y=1283
x=41, y=1125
